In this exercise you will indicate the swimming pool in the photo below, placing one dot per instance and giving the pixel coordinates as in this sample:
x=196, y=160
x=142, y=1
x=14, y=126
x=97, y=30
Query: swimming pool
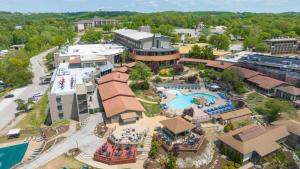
x=182, y=101
x=12, y=155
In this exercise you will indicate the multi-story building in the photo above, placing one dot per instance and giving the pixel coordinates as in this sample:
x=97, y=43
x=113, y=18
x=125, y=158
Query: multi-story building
x=90, y=52
x=282, y=68
x=72, y=94
x=95, y=22
x=283, y=45
x=185, y=33
x=147, y=47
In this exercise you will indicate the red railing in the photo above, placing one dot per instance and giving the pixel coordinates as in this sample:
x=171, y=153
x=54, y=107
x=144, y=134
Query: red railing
x=123, y=158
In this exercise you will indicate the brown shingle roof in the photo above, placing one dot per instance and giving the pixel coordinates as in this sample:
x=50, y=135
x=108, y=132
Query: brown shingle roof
x=219, y=64
x=292, y=90
x=193, y=60
x=112, y=89
x=255, y=138
x=291, y=125
x=122, y=69
x=265, y=82
x=235, y=114
x=114, y=76
x=209, y=63
x=121, y=104
x=130, y=65
x=177, y=125
x=243, y=72
x=155, y=58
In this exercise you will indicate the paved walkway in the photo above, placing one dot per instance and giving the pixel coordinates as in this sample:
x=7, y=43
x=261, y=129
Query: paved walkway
x=83, y=138
x=246, y=166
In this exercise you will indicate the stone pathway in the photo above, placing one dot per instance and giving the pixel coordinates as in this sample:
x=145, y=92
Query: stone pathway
x=204, y=159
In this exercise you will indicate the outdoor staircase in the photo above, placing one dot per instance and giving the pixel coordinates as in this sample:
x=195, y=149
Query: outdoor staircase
x=145, y=150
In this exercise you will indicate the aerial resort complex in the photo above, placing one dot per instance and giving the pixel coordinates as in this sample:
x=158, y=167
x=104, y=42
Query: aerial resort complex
x=163, y=90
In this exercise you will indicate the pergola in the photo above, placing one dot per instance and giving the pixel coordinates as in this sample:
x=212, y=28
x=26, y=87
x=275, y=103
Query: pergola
x=177, y=126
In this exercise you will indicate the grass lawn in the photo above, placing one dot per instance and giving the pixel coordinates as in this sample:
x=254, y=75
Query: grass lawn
x=151, y=109
x=256, y=100
x=63, y=161
x=5, y=92
x=37, y=116
x=31, y=123
x=143, y=95
x=63, y=122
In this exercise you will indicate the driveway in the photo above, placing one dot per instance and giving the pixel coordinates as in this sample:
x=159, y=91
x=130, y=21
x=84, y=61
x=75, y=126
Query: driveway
x=8, y=106
x=82, y=138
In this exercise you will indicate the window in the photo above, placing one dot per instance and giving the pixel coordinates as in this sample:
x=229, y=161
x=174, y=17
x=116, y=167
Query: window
x=61, y=115
x=59, y=108
x=58, y=99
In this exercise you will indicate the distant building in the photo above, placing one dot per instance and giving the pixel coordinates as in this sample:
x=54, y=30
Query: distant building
x=282, y=68
x=3, y=52
x=18, y=27
x=110, y=52
x=218, y=29
x=147, y=47
x=283, y=45
x=95, y=22
x=72, y=94
x=17, y=47
x=145, y=29
x=184, y=33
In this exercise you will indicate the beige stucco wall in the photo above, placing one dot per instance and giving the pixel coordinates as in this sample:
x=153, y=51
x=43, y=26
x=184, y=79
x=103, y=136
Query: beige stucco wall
x=69, y=107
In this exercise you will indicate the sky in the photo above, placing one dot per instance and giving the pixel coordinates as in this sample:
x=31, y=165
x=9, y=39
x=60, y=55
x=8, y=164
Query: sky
x=274, y=6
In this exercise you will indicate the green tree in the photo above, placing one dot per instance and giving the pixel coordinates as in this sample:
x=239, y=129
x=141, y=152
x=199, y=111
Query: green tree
x=154, y=151
x=141, y=72
x=124, y=57
x=234, y=80
x=171, y=161
x=202, y=39
x=201, y=53
x=108, y=27
x=220, y=41
x=91, y=36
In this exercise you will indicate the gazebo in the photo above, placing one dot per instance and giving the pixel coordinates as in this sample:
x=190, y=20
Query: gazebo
x=177, y=127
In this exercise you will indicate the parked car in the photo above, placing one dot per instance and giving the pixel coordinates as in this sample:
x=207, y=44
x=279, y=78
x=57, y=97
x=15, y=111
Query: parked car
x=9, y=96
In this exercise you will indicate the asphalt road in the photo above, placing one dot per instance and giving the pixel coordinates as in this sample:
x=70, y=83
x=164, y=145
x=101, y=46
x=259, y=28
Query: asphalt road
x=8, y=106
x=83, y=138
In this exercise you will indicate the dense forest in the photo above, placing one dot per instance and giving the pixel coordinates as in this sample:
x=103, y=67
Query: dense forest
x=40, y=31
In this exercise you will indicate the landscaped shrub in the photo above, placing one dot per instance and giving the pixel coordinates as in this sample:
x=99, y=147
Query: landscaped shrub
x=178, y=68
x=154, y=151
x=164, y=72
x=157, y=79
x=189, y=112
x=144, y=85
x=191, y=79
x=228, y=127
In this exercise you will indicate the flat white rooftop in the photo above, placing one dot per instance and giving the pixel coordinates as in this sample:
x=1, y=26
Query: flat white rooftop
x=66, y=79
x=92, y=49
x=134, y=34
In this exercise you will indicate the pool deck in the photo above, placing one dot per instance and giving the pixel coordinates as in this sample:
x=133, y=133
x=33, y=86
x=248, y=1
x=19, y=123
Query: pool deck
x=198, y=113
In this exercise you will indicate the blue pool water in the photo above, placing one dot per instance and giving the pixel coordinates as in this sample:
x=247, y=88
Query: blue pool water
x=12, y=155
x=182, y=101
